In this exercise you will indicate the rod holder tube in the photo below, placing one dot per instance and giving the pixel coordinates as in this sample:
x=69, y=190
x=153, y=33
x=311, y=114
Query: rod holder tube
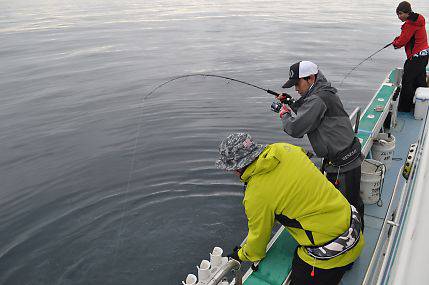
x=191, y=279
x=216, y=257
x=204, y=271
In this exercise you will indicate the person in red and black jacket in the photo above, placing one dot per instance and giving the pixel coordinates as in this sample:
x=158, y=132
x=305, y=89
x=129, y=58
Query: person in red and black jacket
x=413, y=36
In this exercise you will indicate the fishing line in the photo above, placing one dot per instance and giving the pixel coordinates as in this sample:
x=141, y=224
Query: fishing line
x=139, y=127
x=354, y=68
x=138, y=134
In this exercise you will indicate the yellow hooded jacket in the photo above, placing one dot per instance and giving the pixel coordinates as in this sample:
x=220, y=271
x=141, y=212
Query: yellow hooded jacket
x=284, y=184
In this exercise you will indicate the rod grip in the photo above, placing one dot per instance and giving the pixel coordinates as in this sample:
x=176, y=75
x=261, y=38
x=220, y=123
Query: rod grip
x=273, y=92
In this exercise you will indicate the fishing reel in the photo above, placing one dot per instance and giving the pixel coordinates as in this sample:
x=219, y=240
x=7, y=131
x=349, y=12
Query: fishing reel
x=276, y=106
x=288, y=100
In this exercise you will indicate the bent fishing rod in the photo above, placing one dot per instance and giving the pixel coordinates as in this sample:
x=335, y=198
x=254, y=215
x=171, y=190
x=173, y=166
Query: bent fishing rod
x=212, y=75
x=354, y=68
x=288, y=99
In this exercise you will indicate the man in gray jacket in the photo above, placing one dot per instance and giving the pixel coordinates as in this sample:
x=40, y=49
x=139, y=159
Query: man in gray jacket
x=321, y=116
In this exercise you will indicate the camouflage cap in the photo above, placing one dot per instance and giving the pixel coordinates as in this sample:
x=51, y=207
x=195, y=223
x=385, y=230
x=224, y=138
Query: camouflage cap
x=237, y=151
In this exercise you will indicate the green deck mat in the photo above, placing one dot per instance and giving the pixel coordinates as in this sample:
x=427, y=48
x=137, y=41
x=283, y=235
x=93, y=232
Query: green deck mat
x=366, y=125
x=275, y=267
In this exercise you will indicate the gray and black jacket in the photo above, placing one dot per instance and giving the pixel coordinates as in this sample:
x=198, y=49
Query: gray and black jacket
x=321, y=116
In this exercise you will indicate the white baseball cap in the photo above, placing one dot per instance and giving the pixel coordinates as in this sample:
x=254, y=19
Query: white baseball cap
x=299, y=70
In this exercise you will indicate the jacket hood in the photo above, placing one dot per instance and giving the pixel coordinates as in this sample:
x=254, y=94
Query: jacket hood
x=266, y=162
x=321, y=84
x=416, y=20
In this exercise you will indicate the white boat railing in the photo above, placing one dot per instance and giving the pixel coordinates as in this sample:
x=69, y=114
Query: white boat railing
x=355, y=115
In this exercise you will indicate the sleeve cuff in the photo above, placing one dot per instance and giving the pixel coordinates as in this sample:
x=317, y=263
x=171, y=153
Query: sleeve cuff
x=241, y=255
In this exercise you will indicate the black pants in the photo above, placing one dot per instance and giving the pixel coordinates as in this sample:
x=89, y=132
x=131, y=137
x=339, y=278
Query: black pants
x=301, y=273
x=414, y=77
x=349, y=186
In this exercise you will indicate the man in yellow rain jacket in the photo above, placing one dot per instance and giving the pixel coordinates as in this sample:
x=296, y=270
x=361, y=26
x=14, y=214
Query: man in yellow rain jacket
x=283, y=184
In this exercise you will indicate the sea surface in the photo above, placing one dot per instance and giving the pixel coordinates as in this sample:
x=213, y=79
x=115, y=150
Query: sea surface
x=102, y=184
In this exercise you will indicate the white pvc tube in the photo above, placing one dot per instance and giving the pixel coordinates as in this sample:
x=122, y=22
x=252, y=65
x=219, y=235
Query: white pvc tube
x=216, y=256
x=191, y=279
x=204, y=270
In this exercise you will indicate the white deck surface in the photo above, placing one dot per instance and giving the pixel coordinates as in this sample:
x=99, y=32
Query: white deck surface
x=406, y=133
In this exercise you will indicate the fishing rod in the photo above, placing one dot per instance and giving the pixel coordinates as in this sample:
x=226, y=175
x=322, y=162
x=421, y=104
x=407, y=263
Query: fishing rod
x=210, y=75
x=288, y=99
x=354, y=68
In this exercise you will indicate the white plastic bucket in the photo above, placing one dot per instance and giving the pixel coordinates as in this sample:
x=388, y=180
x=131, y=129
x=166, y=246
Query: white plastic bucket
x=383, y=149
x=371, y=181
x=422, y=102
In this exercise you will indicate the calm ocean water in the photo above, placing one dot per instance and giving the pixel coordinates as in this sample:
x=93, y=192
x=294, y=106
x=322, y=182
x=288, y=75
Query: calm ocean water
x=100, y=187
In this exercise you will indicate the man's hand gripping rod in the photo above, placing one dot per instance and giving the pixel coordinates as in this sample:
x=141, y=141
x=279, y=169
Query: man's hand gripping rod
x=284, y=99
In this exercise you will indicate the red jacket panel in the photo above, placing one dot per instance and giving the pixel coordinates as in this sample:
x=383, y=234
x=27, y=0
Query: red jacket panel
x=413, y=35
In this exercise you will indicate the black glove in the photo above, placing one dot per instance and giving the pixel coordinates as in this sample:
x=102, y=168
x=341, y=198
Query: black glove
x=234, y=254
